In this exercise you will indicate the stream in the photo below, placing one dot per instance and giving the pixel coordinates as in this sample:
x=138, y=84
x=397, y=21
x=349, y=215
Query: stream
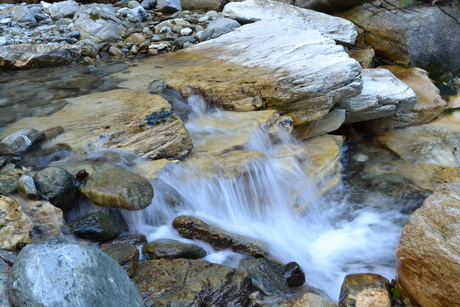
x=352, y=229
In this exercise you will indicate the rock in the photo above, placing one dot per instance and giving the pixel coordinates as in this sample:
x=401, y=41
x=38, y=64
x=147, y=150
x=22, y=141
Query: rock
x=56, y=185
x=413, y=37
x=21, y=141
x=129, y=239
x=169, y=6
x=324, y=6
x=293, y=273
x=365, y=289
x=365, y=57
x=193, y=228
x=174, y=24
x=22, y=14
x=330, y=122
x=9, y=182
x=15, y=225
x=428, y=269
x=96, y=226
x=191, y=283
x=221, y=26
x=307, y=299
x=266, y=275
x=206, y=5
x=47, y=219
x=172, y=249
x=126, y=255
x=182, y=41
x=4, y=273
x=429, y=103
x=114, y=187
x=135, y=38
x=338, y=29
x=98, y=23
x=116, y=52
x=149, y=4
x=138, y=14
x=24, y=56
x=133, y=4
x=52, y=267
x=62, y=9
x=383, y=95
x=88, y=48
x=46, y=155
x=27, y=187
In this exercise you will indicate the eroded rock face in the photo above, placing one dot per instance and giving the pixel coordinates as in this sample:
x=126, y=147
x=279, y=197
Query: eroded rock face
x=416, y=37
x=66, y=273
x=24, y=56
x=429, y=270
x=191, y=283
x=15, y=225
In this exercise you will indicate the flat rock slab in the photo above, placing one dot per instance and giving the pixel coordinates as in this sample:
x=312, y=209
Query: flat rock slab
x=336, y=28
x=383, y=95
x=126, y=119
x=24, y=56
x=297, y=71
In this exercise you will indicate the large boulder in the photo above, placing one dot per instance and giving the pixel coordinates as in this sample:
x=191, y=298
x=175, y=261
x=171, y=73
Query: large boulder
x=15, y=225
x=428, y=253
x=23, y=56
x=185, y=282
x=338, y=29
x=415, y=36
x=60, y=273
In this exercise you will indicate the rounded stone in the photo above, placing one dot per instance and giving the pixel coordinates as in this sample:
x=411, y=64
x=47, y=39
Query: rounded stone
x=56, y=185
x=172, y=249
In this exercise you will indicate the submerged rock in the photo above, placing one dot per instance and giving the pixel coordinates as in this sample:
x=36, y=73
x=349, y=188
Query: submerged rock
x=365, y=289
x=66, y=273
x=428, y=253
x=15, y=225
x=172, y=249
x=266, y=275
x=21, y=141
x=56, y=185
x=114, y=187
x=185, y=282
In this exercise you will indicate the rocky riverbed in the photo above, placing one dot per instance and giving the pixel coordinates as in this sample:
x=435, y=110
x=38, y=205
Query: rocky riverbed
x=156, y=177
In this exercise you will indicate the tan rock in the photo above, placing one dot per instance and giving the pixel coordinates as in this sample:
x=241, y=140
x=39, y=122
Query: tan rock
x=307, y=299
x=330, y=122
x=15, y=225
x=365, y=290
x=365, y=57
x=428, y=253
x=429, y=103
x=118, y=119
x=135, y=38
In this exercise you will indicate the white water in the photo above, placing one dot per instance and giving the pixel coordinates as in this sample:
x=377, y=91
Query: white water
x=329, y=239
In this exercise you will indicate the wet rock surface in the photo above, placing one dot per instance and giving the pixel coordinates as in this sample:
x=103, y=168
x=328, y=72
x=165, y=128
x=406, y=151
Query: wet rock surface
x=15, y=225
x=21, y=141
x=266, y=275
x=126, y=255
x=190, y=283
x=365, y=290
x=171, y=249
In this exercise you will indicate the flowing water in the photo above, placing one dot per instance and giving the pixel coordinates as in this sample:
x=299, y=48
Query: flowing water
x=346, y=231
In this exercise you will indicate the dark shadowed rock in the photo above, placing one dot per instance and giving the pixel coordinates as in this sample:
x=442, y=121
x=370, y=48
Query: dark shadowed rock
x=114, y=187
x=9, y=182
x=68, y=274
x=172, y=249
x=366, y=289
x=266, y=275
x=126, y=255
x=130, y=239
x=294, y=274
x=184, y=282
x=193, y=228
x=96, y=226
x=56, y=185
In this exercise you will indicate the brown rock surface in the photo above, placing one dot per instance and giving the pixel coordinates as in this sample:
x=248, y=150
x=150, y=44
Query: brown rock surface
x=364, y=290
x=15, y=225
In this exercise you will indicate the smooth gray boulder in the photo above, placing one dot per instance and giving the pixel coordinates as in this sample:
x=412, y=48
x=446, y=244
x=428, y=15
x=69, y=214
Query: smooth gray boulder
x=60, y=273
x=22, y=14
x=62, y=9
x=221, y=26
x=169, y=6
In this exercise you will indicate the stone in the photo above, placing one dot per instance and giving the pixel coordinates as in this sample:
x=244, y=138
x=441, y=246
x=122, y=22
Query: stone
x=98, y=23
x=365, y=289
x=330, y=122
x=413, y=37
x=133, y=4
x=88, y=48
x=193, y=228
x=429, y=103
x=171, y=249
x=21, y=141
x=428, y=266
x=47, y=219
x=294, y=275
x=126, y=255
x=174, y=24
x=266, y=275
x=205, y=5
x=182, y=41
x=365, y=57
x=383, y=95
x=46, y=154
x=221, y=26
x=135, y=38
x=96, y=226
x=138, y=14
x=22, y=14
x=137, y=239
x=250, y=63
x=52, y=267
x=307, y=299
x=149, y=4
x=62, y=9
x=27, y=187
x=323, y=6
x=188, y=282
x=25, y=56
x=114, y=187
x=169, y=6
x=132, y=126
x=15, y=225
x=9, y=182
x=56, y=185
x=4, y=274
x=329, y=26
